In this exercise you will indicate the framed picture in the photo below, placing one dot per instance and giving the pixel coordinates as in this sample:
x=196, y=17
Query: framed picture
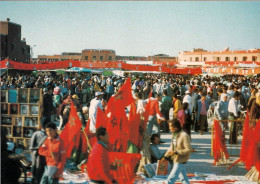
x=34, y=110
x=4, y=94
x=23, y=96
x=6, y=120
x=34, y=95
x=27, y=142
x=4, y=108
x=14, y=109
x=8, y=131
x=28, y=132
x=20, y=142
x=18, y=121
x=24, y=109
x=31, y=121
x=12, y=95
x=17, y=131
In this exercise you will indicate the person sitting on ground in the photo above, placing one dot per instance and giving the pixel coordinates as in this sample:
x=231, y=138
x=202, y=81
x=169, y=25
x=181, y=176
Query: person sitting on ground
x=156, y=153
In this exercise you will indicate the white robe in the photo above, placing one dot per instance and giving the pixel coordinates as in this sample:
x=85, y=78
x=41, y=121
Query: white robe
x=94, y=104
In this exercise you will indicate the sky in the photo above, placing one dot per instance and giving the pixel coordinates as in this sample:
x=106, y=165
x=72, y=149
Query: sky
x=134, y=28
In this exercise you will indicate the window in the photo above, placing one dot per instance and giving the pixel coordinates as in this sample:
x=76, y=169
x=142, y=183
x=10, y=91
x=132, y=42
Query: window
x=254, y=58
x=94, y=57
x=235, y=58
x=110, y=58
x=86, y=57
x=227, y=59
x=205, y=58
x=218, y=58
x=244, y=58
x=101, y=58
x=196, y=58
x=190, y=58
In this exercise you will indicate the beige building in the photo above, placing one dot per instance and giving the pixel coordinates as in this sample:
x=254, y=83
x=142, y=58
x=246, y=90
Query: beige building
x=200, y=55
x=64, y=56
x=98, y=55
x=163, y=58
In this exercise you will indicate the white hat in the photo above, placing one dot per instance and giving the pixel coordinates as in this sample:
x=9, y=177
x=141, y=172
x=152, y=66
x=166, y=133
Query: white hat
x=187, y=92
x=98, y=93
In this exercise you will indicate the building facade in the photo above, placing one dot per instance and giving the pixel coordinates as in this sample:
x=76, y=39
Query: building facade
x=163, y=58
x=93, y=55
x=200, y=55
x=12, y=46
x=64, y=56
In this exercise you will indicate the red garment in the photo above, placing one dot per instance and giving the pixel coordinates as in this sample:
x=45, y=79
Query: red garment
x=56, y=148
x=98, y=164
x=181, y=117
x=154, y=107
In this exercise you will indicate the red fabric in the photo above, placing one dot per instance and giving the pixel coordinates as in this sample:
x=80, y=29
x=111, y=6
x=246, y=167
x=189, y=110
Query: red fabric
x=218, y=143
x=72, y=128
x=133, y=125
x=101, y=119
x=98, y=164
x=124, y=95
x=91, y=137
x=125, y=163
x=117, y=125
x=56, y=148
x=247, y=139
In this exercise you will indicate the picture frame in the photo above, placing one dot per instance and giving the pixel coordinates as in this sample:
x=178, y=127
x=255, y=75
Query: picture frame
x=4, y=96
x=6, y=120
x=8, y=131
x=31, y=122
x=27, y=142
x=34, y=110
x=14, y=109
x=18, y=121
x=28, y=132
x=23, y=95
x=24, y=110
x=20, y=142
x=34, y=96
x=17, y=131
x=12, y=95
x=4, y=108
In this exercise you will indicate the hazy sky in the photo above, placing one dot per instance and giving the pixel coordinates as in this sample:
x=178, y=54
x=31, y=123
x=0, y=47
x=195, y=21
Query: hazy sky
x=136, y=28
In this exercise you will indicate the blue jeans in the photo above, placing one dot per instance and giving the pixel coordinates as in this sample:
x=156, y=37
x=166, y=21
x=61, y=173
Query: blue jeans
x=47, y=179
x=178, y=171
x=151, y=122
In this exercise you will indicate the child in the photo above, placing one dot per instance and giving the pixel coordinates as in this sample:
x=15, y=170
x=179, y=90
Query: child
x=53, y=150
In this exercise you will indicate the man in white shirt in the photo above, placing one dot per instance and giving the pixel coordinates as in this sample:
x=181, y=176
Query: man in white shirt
x=94, y=105
x=187, y=98
x=234, y=112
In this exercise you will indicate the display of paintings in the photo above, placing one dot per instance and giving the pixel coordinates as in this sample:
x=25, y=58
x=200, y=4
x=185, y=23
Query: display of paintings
x=31, y=122
x=14, y=109
x=4, y=108
x=18, y=121
x=28, y=132
x=12, y=95
x=17, y=131
x=4, y=96
x=23, y=95
x=19, y=143
x=34, y=95
x=10, y=139
x=34, y=110
x=6, y=120
x=24, y=109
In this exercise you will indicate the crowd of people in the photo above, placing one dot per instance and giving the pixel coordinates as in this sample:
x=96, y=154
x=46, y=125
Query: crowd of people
x=193, y=100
